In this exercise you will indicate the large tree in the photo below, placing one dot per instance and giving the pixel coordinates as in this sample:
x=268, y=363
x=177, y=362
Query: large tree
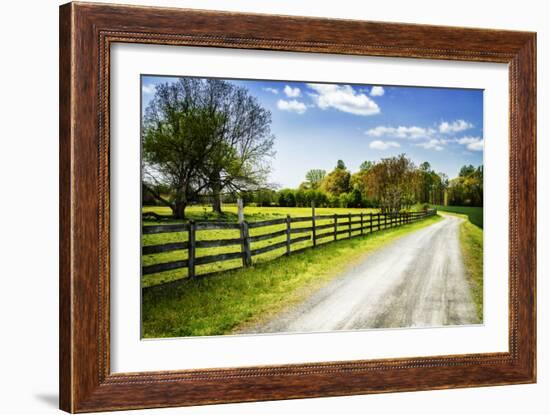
x=337, y=181
x=314, y=178
x=392, y=181
x=366, y=165
x=204, y=136
x=241, y=162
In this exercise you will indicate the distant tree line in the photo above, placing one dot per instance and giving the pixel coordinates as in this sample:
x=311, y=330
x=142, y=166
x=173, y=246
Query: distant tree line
x=467, y=188
x=391, y=184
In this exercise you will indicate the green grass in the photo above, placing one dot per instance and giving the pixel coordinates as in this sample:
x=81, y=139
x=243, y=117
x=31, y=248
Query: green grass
x=204, y=213
x=251, y=213
x=233, y=300
x=474, y=214
x=471, y=241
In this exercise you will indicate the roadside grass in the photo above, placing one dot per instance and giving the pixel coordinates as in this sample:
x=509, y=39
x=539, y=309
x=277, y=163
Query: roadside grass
x=471, y=244
x=471, y=238
x=229, y=301
x=474, y=214
x=204, y=213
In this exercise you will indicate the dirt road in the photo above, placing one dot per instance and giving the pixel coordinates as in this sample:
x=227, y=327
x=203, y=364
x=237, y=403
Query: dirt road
x=417, y=281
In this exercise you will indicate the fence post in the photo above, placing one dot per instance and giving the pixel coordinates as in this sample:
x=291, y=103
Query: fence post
x=288, y=235
x=314, y=235
x=240, y=210
x=191, y=250
x=349, y=225
x=245, y=244
x=361, y=223
x=370, y=222
x=335, y=226
x=378, y=222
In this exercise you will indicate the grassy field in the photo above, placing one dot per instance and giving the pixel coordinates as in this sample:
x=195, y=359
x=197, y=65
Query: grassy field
x=474, y=214
x=233, y=300
x=204, y=213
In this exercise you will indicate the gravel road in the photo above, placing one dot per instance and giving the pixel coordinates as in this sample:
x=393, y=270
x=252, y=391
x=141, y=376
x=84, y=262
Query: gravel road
x=417, y=281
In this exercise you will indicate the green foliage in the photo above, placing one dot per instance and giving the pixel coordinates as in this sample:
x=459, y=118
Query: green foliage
x=356, y=199
x=467, y=188
x=287, y=198
x=366, y=165
x=315, y=177
x=262, y=197
x=302, y=198
x=471, y=241
x=336, y=182
x=392, y=181
x=204, y=135
x=466, y=171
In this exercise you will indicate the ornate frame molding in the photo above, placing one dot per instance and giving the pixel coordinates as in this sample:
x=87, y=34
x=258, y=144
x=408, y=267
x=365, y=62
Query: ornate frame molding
x=86, y=33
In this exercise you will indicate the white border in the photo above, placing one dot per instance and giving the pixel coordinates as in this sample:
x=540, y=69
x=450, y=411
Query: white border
x=130, y=354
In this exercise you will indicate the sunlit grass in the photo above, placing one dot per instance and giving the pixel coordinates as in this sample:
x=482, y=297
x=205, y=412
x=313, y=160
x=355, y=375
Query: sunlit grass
x=252, y=214
x=471, y=240
x=474, y=214
x=231, y=300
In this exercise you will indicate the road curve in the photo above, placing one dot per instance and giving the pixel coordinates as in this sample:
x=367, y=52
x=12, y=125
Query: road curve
x=417, y=281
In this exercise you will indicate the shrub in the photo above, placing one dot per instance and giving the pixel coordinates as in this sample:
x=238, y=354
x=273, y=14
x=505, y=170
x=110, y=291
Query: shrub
x=286, y=198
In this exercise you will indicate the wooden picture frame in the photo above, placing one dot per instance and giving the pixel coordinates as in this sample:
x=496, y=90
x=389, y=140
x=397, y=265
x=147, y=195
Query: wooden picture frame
x=86, y=33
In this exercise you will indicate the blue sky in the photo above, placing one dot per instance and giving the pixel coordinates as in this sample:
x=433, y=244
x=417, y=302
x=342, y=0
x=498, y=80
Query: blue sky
x=317, y=124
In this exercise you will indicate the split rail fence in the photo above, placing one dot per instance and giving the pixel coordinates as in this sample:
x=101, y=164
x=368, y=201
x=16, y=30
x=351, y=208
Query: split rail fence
x=350, y=225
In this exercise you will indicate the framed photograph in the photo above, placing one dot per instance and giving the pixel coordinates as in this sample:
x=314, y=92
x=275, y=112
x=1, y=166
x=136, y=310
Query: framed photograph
x=260, y=207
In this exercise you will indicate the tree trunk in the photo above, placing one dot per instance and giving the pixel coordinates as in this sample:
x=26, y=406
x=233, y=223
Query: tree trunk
x=217, y=203
x=217, y=196
x=178, y=209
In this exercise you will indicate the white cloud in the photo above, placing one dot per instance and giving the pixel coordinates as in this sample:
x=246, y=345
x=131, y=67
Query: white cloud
x=292, y=106
x=383, y=145
x=454, y=127
x=377, y=91
x=148, y=89
x=433, y=144
x=477, y=146
x=292, y=92
x=343, y=98
x=471, y=143
x=412, y=132
x=272, y=90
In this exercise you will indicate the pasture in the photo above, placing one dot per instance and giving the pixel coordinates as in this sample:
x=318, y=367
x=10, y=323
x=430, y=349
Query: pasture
x=474, y=214
x=233, y=300
x=204, y=213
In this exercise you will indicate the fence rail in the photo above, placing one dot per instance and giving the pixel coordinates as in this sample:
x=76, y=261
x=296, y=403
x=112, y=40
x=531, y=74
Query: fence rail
x=340, y=224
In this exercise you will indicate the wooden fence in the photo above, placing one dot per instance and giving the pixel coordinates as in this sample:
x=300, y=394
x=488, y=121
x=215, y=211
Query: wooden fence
x=352, y=225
